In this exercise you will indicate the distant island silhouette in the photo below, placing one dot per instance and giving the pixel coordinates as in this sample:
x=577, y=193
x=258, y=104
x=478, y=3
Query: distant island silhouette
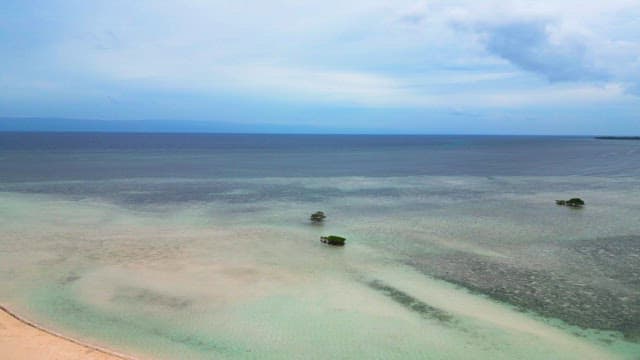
x=618, y=137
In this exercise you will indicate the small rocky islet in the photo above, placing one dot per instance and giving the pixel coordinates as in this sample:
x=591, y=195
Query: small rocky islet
x=333, y=240
x=317, y=218
x=573, y=202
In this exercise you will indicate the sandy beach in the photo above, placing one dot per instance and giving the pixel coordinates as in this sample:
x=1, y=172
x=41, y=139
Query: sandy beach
x=21, y=339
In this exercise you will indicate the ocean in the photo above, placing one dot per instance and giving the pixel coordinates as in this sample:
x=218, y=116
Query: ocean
x=199, y=246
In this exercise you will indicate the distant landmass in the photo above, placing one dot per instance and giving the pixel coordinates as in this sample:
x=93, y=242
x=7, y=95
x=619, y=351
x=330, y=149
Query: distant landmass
x=618, y=137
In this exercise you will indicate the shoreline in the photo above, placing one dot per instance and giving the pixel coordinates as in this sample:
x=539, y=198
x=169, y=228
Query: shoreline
x=25, y=339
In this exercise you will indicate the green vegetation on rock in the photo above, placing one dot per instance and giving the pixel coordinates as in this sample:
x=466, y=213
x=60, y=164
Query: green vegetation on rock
x=573, y=202
x=317, y=217
x=333, y=240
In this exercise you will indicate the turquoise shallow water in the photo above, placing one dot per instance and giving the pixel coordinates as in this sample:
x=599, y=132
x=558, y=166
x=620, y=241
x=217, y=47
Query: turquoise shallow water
x=199, y=246
x=238, y=279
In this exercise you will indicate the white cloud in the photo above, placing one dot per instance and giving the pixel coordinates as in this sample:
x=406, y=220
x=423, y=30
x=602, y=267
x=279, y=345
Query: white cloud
x=561, y=40
x=378, y=53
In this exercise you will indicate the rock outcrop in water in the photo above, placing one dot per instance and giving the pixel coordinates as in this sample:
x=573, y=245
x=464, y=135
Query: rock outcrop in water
x=333, y=240
x=317, y=217
x=573, y=202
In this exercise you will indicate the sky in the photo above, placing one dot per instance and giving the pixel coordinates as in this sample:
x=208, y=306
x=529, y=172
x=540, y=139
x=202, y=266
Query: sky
x=374, y=66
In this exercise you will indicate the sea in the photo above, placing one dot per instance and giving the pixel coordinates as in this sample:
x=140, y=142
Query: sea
x=199, y=246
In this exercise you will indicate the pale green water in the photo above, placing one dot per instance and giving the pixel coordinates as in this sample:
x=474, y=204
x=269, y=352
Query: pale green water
x=249, y=279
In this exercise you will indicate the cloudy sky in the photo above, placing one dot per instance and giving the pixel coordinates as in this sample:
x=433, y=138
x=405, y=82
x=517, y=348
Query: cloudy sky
x=397, y=66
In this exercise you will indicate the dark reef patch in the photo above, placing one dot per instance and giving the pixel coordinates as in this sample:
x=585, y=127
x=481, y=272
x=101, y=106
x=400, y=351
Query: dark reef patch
x=595, y=285
x=410, y=302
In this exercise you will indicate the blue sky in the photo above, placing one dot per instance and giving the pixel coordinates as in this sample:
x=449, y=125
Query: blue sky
x=499, y=67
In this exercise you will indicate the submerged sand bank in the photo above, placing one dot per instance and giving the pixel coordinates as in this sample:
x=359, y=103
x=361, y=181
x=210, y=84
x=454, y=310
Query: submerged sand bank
x=22, y=339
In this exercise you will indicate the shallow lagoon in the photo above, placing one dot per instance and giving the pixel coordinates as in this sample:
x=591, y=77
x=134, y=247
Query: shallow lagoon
x=250, y=279
x=228, y=267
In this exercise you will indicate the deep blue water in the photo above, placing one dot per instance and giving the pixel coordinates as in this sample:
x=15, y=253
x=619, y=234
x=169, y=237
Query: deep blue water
x=90, y=156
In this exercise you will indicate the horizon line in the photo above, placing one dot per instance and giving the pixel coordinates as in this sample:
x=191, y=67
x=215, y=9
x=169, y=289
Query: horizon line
x=295, y=133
